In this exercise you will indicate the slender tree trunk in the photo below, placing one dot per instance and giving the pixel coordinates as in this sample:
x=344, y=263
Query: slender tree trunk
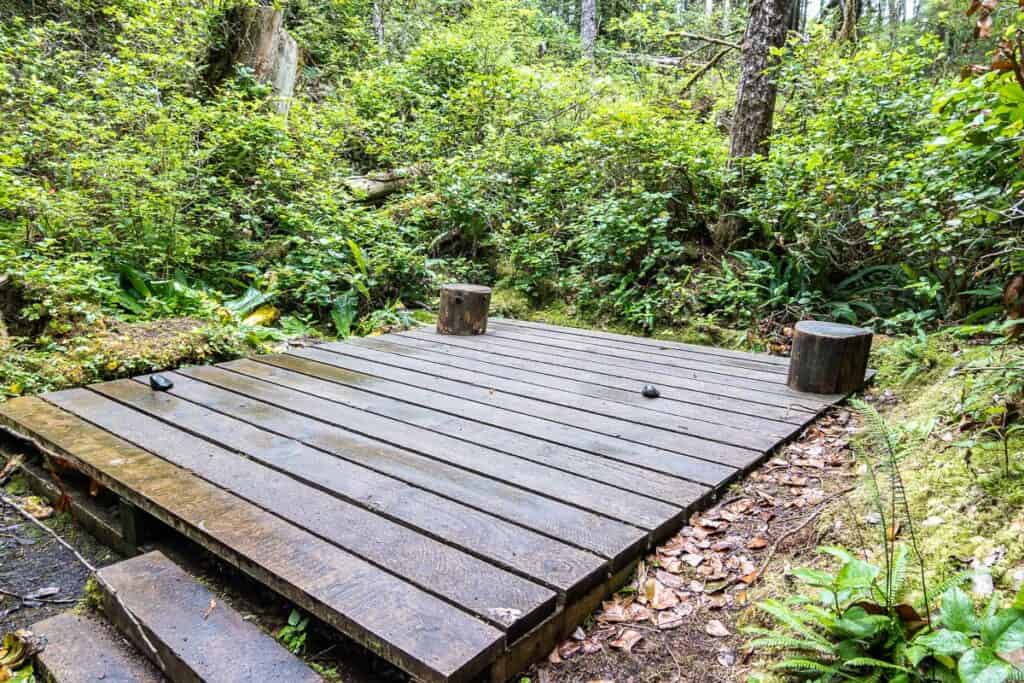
x=588, y=26
x=709, y=7
x=378, y=23
x=755, y=107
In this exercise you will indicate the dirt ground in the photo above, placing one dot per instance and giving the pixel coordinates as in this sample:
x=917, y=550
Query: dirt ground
x=680, y=619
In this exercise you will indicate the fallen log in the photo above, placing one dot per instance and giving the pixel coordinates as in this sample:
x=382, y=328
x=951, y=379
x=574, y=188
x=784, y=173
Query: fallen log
x=374, y=188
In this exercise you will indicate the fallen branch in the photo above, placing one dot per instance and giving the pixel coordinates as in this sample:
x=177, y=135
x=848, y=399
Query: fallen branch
x=49, y=601
x=707, y=67
x=708, y=39
x=795, y=530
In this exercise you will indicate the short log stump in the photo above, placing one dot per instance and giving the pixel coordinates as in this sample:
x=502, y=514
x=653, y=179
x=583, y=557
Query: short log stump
x=828, y=358
x=463, y=309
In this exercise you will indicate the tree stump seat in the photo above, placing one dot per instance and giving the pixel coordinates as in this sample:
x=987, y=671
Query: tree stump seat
x=463, y=309
x=828, y=358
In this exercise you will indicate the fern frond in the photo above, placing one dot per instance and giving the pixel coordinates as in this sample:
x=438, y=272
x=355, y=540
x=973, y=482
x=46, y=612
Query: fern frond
x=791, y=619
x=805, y=665
x=784, y=644
x=858, y=662
x=898, y=574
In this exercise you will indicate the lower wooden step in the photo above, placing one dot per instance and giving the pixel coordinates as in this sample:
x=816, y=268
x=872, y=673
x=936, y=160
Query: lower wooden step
x=85, y=649
x=196, y=636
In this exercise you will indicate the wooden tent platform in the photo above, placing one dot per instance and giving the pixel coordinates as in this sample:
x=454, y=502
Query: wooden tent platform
x=456, y=504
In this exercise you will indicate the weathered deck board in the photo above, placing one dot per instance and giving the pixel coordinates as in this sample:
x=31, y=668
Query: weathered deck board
x=421, y=633
x=739, y=399
x=454, y=503
x=648, y=342
x=610, y=414
x=610, y=438
x=494, y=595
x=501, y=543
x=485, y=366
x=576, y=527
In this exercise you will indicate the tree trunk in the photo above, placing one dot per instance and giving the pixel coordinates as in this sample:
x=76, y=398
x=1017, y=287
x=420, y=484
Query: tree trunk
x=267, y=48
x=588, y=26
x=378, y=23
x=848, y=26
x=709, y=7
x=755, y=107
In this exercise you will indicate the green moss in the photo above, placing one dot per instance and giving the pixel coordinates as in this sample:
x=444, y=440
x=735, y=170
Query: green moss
x=963, y=509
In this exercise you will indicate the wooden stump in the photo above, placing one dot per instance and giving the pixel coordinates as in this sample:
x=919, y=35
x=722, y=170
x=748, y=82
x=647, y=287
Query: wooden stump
x=828, y=358
x=463, y=309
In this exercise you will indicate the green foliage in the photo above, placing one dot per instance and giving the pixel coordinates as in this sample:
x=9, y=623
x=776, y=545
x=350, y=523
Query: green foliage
x=856, y=628
x=293, y=634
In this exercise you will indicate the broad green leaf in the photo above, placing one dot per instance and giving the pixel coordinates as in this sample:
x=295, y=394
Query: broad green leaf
x=981, y=665
x=945, y=642
x=958, y=611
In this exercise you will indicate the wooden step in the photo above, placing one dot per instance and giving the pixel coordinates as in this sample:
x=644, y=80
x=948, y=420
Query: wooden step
x=81, y=648
x=197, y=637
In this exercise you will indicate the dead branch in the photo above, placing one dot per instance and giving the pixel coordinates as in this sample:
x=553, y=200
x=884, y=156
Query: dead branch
x=704, y=69
x=707, y=39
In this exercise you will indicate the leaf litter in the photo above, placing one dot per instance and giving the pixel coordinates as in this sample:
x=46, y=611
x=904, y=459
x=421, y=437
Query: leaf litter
x=688, y=595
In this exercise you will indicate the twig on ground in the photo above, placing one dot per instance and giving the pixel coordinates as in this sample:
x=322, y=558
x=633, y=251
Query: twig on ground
x=88, y=565
x=49, y=601
x=797, y=529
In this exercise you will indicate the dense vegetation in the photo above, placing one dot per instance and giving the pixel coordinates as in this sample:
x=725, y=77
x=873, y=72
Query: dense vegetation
x=158, y=206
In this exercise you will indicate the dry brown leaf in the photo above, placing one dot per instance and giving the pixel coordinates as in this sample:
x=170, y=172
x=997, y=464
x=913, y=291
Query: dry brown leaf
x=660, y=597
x=756, y=543
x=627, y=640
x=716, y=629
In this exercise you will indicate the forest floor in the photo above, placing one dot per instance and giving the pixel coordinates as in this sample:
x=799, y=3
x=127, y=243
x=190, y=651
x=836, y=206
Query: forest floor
x=680, y=619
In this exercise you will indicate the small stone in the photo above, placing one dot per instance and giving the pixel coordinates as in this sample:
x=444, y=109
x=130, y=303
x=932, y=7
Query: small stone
x=160, y=383
x=651, y=391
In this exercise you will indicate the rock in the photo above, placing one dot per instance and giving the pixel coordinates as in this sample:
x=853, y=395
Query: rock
x=650, y=391
x=160, y=383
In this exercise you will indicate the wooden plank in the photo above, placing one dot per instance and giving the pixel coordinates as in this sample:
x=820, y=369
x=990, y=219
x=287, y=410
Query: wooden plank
x=718, y=373
x=729, y=432
x=638, y=371
x=579, y=527
x=562, y=425
x=157, y=604
x=748, y=362
x=556, y=437
x=418, y=632
x=497, y=596
x=661, y=344
x=192, y=406
x=681, y=399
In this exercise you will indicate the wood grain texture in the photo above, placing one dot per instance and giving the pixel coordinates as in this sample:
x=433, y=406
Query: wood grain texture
x=572, y=384
x=576, y=525
x=495, y=595
x=770, y=364
x=829, y=358
x=418, y=632
x=597, y=434
x=463, y=309
x=209, y=411
x=737, y=399
x=649, y=342
x=609, y=413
